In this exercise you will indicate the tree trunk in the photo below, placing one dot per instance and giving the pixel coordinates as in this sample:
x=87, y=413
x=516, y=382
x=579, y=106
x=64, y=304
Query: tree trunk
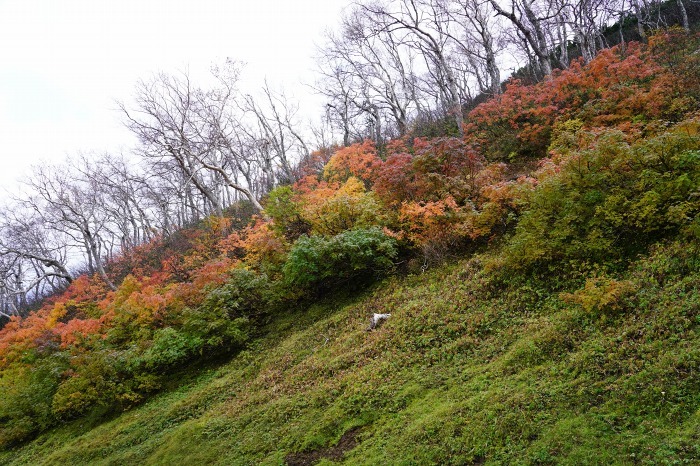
x=684, y=15
x=93, y=251
x=640, y=24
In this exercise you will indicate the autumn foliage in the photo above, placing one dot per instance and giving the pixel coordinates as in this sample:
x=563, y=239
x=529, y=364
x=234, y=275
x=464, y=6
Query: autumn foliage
x=589, y=166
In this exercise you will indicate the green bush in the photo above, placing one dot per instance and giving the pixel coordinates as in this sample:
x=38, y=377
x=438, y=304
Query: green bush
x=95, y=379
x=224, y=318
x=360, y=255
x=104, y=378
x=286, y=213
x=25, y=404
x=170, y=347
x=607, y=203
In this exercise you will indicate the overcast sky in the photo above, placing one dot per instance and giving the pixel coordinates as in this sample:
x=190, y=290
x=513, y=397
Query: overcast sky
x=63, y=64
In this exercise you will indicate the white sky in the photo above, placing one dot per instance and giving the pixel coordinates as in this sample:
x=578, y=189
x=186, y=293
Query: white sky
x=64, y=63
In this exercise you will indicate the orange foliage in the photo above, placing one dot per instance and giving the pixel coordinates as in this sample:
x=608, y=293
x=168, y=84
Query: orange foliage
x=257, y=243
x=20, y=335
x=213, y=273
x=76, y=330
x=432, y=221
x=311, y=184
x=134, y=302
x=358, y=160
x=623, y=89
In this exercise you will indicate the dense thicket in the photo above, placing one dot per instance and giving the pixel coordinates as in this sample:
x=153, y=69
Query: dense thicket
x=393, y=68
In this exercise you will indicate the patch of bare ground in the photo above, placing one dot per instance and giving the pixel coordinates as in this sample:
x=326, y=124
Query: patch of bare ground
x=308, y=458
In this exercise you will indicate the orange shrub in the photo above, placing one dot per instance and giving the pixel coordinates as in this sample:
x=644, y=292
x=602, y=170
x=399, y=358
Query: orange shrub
x=358, y=160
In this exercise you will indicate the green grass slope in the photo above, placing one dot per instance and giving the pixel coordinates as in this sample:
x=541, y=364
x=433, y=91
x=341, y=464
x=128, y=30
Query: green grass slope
x=473, y=367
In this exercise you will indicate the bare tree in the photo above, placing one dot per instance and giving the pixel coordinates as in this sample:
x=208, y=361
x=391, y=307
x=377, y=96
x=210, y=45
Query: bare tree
x=586, y=19
x=476, y=41
x=378, y=65
x=166, y=123
x=72, y=207
x=33, y=261
x=275, y=132
x=125, y=191
x=180, y=123
x=424, y=25
x=529, y=17
x=684, y=15
x=648, y=14
x=336, y=84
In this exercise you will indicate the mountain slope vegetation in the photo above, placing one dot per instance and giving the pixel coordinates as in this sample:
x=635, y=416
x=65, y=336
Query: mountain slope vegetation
x=468, y=369
x=541, y=271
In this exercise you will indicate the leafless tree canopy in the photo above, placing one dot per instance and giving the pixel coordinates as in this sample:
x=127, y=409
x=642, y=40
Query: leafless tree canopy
x=395, y=62
x=200, y=150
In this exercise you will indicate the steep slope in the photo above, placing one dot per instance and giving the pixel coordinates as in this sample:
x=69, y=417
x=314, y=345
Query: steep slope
x=468, y=370
x=543, y=291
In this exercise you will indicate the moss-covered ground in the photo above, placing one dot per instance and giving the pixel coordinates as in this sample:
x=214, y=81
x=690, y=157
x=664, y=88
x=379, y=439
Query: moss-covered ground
x=473, y=367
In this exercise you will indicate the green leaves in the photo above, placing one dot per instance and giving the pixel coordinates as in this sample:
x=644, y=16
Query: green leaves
x=609, y=201
x=224, y=318
x=361, y=254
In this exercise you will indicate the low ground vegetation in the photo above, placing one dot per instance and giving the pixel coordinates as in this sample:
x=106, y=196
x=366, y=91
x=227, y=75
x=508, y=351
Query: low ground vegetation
x=542, y=274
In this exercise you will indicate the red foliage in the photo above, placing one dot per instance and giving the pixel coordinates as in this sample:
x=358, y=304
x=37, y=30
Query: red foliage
x=396, y=181
x=617, y=88
x=85, y=288
x=437, y=169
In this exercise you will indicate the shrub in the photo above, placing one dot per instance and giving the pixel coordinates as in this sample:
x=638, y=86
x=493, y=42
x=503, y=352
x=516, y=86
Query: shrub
x=286, y=213
x=601, y=294
x=347, y=208
x=95, y=379
x=355, y=255
x=358, y=160
x=25, y=405
x=169, y=348
x=397, y=181
x=262, y=246
x=606, y=203
x=223, y=319
x=105, y=378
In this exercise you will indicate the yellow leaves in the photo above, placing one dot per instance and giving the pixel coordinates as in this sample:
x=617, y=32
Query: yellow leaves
x=352, y=187
x=137, y=302
x=601, y=294
x=350, y=206
x=58, y=312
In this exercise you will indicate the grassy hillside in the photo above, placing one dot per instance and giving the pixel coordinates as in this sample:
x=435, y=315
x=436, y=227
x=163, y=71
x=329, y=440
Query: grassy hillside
x=542, y=274
x=470, y=369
